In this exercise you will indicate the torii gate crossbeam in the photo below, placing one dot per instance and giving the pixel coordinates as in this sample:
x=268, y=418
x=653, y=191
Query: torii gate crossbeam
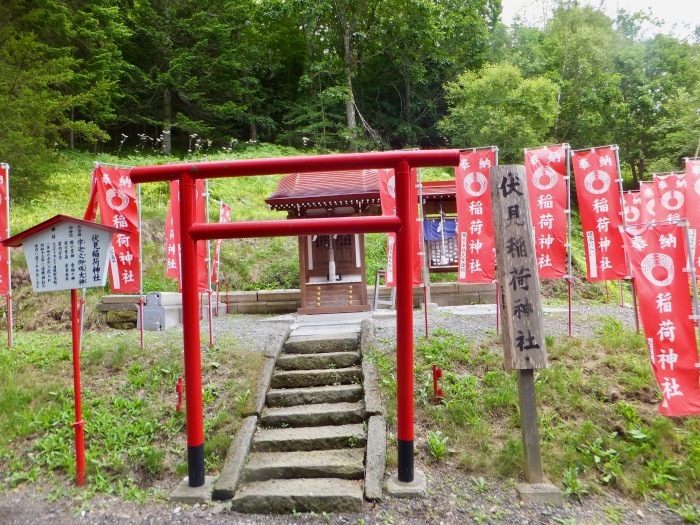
x=404, y=224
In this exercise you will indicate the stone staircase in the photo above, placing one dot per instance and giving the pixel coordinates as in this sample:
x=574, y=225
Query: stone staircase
x=309, y=452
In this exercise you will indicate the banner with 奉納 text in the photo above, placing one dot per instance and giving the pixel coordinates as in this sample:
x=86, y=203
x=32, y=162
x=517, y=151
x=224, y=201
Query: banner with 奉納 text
x=173, y=239
x=632, y=207
x=116, y=199
x=669, y=190
x=692, y=174
x=224, y=216
x=658, y=256
x=546, y=172
x=4, y=228
x=648, y=203
x=596, y=172
x=475, y=236
x=387, y=197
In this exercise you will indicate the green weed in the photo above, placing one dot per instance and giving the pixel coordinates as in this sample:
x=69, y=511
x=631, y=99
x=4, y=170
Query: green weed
x=437, y=444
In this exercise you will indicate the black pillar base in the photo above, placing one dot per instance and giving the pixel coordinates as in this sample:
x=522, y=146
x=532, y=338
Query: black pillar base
x=405, y=450
x=195, y=465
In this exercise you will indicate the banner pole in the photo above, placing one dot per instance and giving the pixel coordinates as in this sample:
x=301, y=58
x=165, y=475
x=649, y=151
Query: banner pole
x=634, y=304
x=10, y=324
x=79, y=424
x=426, y=274
x=624, y=220
x=209, y=307
x=570, y=271
x=141, y=301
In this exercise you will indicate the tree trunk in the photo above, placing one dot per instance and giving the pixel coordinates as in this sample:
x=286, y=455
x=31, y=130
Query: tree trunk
x=167, y=121
x=350, y=104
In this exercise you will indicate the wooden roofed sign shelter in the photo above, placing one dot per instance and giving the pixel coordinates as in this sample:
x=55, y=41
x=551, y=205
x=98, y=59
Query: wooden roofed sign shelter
x=403, y=224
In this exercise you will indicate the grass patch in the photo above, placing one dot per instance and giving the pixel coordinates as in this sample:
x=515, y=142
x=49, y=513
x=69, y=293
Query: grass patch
x=134, y=436
x=596, y=406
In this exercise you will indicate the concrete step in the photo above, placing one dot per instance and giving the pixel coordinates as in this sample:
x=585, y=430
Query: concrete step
x=337, y=463
x=306, y=378
x=341, y=340
x=285, y=397
x=309, y=438
x=299, y=495
x=313, y=415
x=317, y=361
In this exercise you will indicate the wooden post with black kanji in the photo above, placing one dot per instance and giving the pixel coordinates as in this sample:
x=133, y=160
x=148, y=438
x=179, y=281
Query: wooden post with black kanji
x=521, y=307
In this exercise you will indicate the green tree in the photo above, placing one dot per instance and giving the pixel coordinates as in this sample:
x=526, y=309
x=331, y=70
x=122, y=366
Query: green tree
x=497, y=106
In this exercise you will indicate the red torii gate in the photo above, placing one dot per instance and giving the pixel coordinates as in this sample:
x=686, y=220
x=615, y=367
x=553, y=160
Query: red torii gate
x=403, y=224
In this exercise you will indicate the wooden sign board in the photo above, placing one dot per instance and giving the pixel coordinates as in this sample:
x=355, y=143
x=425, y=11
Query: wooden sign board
x=65, y=253
x=516, y=265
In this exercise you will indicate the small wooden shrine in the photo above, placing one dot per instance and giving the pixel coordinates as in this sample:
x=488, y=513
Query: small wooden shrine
x=333, y=277
x=332, y=267
x=439, y=201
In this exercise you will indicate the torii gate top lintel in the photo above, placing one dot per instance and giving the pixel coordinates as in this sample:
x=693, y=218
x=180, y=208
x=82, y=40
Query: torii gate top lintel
x=403, y=223
x=304, y=164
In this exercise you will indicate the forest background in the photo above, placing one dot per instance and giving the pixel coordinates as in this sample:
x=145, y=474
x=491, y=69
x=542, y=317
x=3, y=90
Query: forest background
x=181, y=77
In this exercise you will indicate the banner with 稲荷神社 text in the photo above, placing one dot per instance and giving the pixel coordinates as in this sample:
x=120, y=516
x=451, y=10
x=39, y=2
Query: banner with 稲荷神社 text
x=546, y=172
x=596, y=172
x=658, y=257
x=115, y=195
x=4, y=229
x=475, y=237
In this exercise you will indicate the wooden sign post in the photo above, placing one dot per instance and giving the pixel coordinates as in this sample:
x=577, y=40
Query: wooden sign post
x=521, y=307
x=64, y=253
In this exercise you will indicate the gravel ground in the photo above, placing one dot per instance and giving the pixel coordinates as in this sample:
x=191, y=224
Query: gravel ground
x=453, y=497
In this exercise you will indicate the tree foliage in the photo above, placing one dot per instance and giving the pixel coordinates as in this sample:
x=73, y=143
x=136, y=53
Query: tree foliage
x=340, y=75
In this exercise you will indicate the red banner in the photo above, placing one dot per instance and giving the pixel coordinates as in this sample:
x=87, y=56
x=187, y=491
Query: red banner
x=545, y=169
x=387, y=197
x=116, y=196
x=669, y=190
x=477, y=256
x=658, y=257
x=224, y=216
x=173, y=242
x=632, y=209
x=4, y=229
x=692, y=174
x=647, y=195
x=600, y=203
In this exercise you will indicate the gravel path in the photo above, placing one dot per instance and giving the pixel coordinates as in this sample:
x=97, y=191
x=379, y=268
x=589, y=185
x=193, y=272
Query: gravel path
x=453, y=497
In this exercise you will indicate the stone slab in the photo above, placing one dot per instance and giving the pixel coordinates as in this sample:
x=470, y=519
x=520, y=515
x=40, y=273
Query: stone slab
x=120, y=299
x=318, y=361
x=109, y=307
x=158, y=318
x=282, y=307
x=306, y=378
x=314, y=342
x=368, y=339
x=540, y=494
x=249, y=308
x=375, y=461
x=299, y=495
x=163, y=299
x=285, y=397
x=257, y=402
x=225, y=487
x=240, y=297
x=373, y=396
x=417, y=488
x=314, y=415
x=336, y=463
x=292, y=295
x=309, y=438
x=183, y=493
x=275, y=343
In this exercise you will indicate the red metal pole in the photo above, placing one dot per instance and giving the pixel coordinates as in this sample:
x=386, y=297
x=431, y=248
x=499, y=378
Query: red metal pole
x=405, y=251
x=191, y=335
x=79, y=423
x=9, y=320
